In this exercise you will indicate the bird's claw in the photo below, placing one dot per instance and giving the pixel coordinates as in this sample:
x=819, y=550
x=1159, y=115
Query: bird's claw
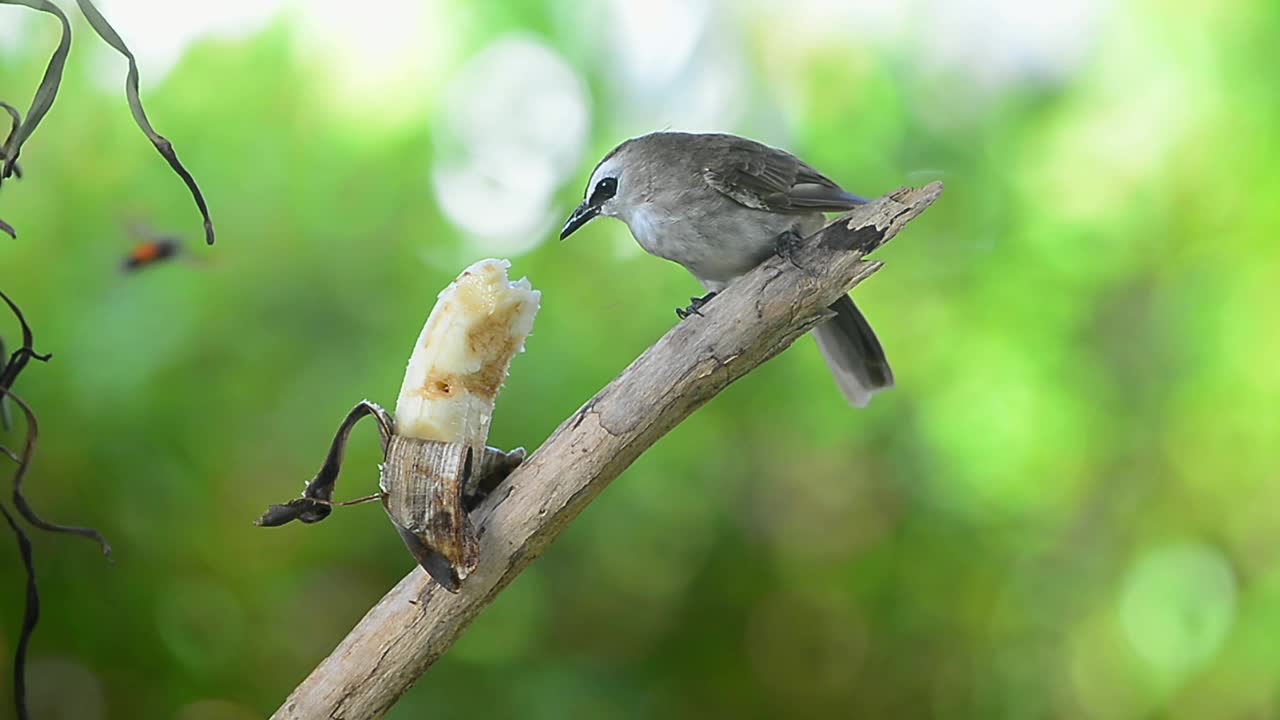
x=695, y=306
x=788, y=243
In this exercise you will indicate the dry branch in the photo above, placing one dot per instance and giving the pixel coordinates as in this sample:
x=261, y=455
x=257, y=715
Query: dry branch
x=750, y=322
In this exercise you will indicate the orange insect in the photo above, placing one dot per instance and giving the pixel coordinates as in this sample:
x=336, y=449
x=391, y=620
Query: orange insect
x=150, y=252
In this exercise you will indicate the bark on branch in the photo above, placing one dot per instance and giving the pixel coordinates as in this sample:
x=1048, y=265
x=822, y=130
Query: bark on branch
x=751, y=321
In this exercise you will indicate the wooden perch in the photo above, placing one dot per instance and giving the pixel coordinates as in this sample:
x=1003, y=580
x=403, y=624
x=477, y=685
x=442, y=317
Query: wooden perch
x=753, y=320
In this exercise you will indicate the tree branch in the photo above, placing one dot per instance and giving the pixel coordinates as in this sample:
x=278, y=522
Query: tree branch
x=750, y=322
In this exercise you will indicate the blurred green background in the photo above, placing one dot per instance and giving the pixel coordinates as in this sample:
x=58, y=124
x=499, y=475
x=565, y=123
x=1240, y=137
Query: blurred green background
x=1067, y=508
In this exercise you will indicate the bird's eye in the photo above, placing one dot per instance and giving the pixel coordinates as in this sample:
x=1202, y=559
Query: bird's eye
x=605, y=189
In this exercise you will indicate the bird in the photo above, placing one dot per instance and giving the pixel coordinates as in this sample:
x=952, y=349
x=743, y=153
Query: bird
x=719, y=205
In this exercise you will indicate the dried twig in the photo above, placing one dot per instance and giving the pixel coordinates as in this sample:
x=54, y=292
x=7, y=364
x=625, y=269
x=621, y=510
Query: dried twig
x=162, y=144
x=16, y=363
x=6, y=148
x=30, y=616
x=15, y=120
x=8, y=375
x=20, y=357
x=20, y=500
x=48, y=91
x=753, y=320
x=20, y=131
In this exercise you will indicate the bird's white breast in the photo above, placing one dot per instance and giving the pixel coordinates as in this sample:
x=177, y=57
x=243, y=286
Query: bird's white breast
x=715, y=246
x=651, y=228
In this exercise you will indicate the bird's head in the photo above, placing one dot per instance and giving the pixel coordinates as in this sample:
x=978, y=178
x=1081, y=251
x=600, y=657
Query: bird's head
x=610, y=192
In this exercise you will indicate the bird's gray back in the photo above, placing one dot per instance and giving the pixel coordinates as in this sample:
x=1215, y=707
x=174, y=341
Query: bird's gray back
x=748, y=172
x=678, y=214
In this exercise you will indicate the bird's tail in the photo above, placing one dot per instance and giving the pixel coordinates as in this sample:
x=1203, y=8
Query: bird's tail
x=851, y=350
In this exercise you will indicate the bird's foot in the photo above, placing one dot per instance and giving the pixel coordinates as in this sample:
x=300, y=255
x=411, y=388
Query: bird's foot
x=695, y=306
x=788, y=243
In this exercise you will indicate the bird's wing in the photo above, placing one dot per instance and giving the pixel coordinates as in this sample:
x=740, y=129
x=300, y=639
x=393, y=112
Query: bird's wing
x=766, y=178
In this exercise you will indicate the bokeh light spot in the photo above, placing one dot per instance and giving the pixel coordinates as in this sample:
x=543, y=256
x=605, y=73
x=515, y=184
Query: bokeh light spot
x=60, y=688
x=159, y=33
x=1177, y=605
x=374, y=57
x=512, y=129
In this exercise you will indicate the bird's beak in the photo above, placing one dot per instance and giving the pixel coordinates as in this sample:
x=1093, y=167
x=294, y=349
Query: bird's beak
x=581, y=216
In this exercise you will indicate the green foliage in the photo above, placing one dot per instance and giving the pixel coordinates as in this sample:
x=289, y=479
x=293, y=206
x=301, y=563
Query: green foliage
x=1065, y=508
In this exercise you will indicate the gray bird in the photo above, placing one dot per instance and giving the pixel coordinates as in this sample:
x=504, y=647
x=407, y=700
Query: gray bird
x=719, y=205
